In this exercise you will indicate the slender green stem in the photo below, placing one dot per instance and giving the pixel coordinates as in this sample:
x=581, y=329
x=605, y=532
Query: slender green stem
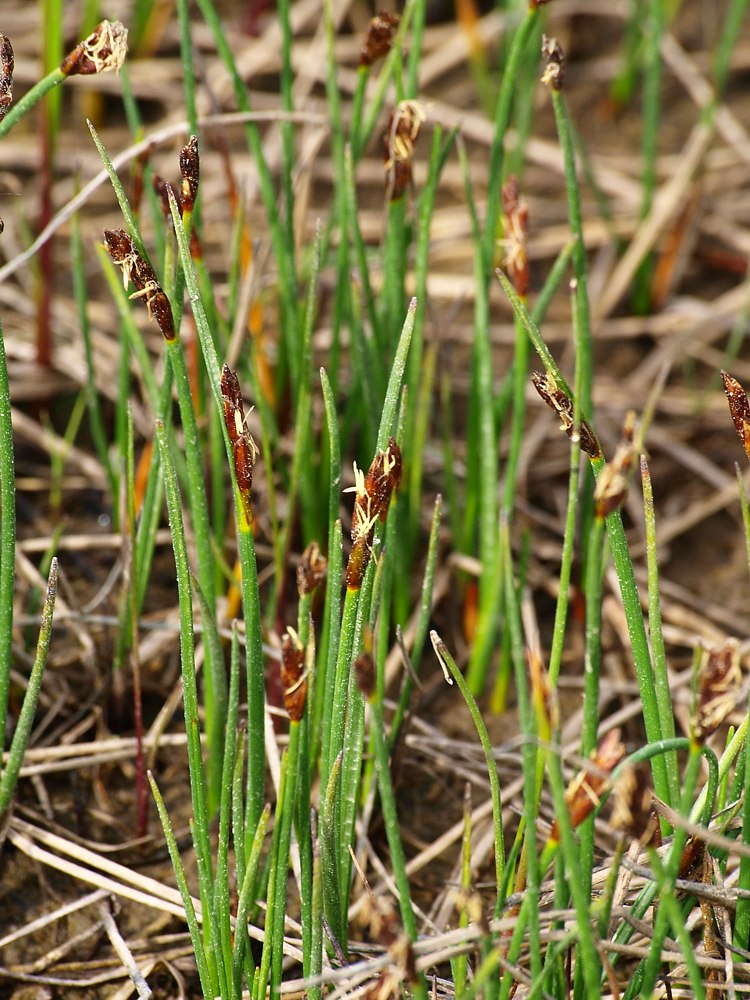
x=7, y=537
x=22, y=732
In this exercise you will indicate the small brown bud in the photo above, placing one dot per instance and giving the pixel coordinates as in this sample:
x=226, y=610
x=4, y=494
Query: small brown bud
x=293, y=676
x=612, y=485
x=400, y=135
x=552, y=53
x=137, y=270
x=104, y=50
x=161, y=190
x=561, y=403
x=379, y=38
x=515, y=225
x=739, y=408
x=6, y=75
x=585, y=790
x=719, y=680
x=364, y=674
x=244, y=448
x=312, y=569
x=633, y=811
x=190, y=171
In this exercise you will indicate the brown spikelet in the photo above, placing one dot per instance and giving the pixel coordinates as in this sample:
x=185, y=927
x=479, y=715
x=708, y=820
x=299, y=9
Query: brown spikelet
x=137, y=270
x=515, y=226
x=552, y=53
x=312, y=569
x=719, y=680
x=6, y=75
x=400, y=135
x=562, y=404
x=364, y=674
x=739, y=409
x=104, y=50
x=585, y=790
x=379, y=38
x=542, y=696
x=244, y=448
x=293, y=676
x=373, y=496
x=633, y=811
x=612, y=485
x=190, y=172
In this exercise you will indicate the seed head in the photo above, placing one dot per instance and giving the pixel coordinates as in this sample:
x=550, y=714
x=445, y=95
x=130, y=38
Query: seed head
x=104, y=50
x=633, y=811
x=612, y=485
x=136, y=269
x=293, y=675
x=562, y=404
x=585, y=790
x=400, y=135
x=6, y=75
x=552, y=53
x=244, y=448
x=719, y=680
x=312, y=569
x=190, y=168
x=516, y=226
x=379, y=38
x=739, y=408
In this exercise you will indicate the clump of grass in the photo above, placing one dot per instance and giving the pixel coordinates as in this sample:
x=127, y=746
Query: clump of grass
x=279, y=858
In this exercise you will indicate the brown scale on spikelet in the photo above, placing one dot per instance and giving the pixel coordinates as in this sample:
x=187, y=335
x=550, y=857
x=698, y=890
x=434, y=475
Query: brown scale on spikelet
x=552, y=53
x=633, y=811
x=585, y=790
x=400, y=135
x=515, y=228
x=562, y=404
x=244, y=448
x=612, y=485
x=373, y=496
x=312, y=569
x=137, y=270
x=379, y=38
x=104, y=50
x=190, y=172
x=719, y=681
x=739, y=409
x=293, y=675
x=6, y=75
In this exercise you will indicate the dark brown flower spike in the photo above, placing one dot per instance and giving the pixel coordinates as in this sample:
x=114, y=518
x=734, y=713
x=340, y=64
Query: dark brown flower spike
x=562, y=404
x=137, y=270
x=244, y=448
x=552, y=53
x=400, y=135
x=515, y=226
x=633, y=811
x=612, y=485
x=6, y=75
x=293, y=675
x=312, y=569
x=190, y=170
x=379, y=38
x=585, y=790
x=739, y=408
x=373, y=496
x=719, y=680
x=104, y=50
